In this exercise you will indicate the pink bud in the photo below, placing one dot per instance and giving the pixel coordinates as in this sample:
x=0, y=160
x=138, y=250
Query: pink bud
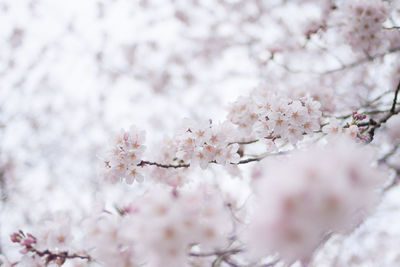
x=15, y=237
x=355, y=114
x=175, y=192
x=31, y=236
x=126, y=136
x=131, y=208
x=29, y=240
x=26, y=242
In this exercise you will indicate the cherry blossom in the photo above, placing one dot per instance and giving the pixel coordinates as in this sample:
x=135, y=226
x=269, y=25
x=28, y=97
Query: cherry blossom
x=299, y=205
x=362, y=23
x=124, y=156
x=263, y=132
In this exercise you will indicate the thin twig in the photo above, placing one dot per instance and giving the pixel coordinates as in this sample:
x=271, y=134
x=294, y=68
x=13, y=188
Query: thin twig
x=245, y=142
x=227, y=260
x=394, y=182
x=216, y=253
x=361, y=61
x=389, y=154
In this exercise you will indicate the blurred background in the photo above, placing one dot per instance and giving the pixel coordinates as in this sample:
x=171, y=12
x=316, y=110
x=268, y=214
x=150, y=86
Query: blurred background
x=74, y=72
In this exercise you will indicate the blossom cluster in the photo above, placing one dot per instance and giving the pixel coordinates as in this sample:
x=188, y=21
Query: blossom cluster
x=165, y=152
x=299, y=200
x=195, y=144
x=160, y=228
x=34, y=256
x=267, y=114
x=303, y=199
x=203, y=143
x=362, y=24
x=124, y=156
x=333, y=128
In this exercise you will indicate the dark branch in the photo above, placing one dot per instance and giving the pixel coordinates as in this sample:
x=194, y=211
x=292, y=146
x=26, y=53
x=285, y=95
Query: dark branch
x=377, y=124
x=373, y=124
x=244, y=161
x=216, y=253
x=392, y=110
x=59, y=257
x=187, y=165
x=175, y=166
x=28, y=241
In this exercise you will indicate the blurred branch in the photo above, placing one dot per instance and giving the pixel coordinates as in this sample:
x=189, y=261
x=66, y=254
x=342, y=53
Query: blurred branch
x=362, y=61
x=389, y=154
x=343, y=67
x=394, y=182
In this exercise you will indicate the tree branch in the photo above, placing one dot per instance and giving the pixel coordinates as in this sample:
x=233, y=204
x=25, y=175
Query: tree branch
x=28, y=241
x=216, y=253
x=175, y=166
x=377, y=124
x=392, y=110
x=389, y=154
x=363, y=60
x=187, y=165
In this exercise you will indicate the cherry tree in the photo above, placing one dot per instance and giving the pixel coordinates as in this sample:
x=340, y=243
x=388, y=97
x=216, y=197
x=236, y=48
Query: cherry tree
x=295, y=167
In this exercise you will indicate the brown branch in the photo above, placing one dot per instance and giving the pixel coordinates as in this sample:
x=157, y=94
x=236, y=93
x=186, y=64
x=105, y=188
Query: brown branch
x=28, y=241
x=392, y=28
x=161, y=165
x=228, y=261
x=187, y=165
x=59, y=257
x=377, y=124
x=244, y=161
x=395, y=98
x=216, y=253
x=221, y=256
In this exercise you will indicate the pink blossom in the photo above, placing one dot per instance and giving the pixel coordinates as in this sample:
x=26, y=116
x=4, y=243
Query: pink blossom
x=298, y=204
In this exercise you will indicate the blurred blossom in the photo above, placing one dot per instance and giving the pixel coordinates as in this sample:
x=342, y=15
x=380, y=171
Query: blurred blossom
x=304, y=198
